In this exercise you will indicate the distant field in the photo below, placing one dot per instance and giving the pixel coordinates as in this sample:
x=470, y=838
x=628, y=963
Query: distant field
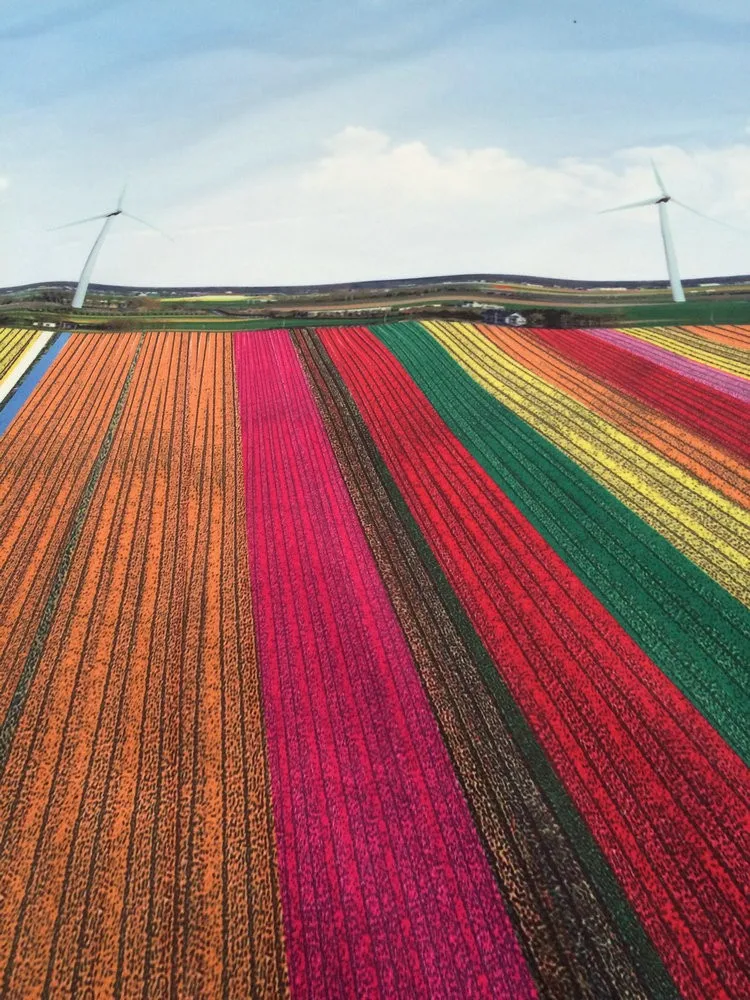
x=210, y=313
x=543, y=301
x=206, y=298
x=732, y=311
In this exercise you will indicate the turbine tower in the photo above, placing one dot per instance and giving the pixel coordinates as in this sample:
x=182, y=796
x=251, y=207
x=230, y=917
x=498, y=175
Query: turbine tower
x=661, y=203
x=88, y=267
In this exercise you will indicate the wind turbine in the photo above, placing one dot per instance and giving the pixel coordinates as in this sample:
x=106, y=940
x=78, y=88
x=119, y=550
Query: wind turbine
x=661, y=203
x=88, y=267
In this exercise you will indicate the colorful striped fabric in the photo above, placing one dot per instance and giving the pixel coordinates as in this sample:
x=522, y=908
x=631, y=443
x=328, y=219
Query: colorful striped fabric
x=403, y=661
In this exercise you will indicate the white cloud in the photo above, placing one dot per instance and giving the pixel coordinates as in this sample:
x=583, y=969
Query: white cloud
x=369, y=207
x=365, y=164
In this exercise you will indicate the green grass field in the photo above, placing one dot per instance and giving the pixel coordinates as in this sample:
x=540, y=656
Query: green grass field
x=542, y=307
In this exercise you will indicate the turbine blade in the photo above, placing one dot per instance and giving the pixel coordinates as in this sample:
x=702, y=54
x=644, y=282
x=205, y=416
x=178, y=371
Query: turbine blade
x=79, y=222
x=143, y=222
x=710, y=218
x=121, y=199
x=659, y=181
x=634, y=204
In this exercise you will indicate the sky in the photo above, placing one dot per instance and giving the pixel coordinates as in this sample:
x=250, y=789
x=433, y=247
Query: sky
x=333, y=140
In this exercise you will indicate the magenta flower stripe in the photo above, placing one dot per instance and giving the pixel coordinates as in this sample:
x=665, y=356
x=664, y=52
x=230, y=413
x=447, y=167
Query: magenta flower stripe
x=386, y=889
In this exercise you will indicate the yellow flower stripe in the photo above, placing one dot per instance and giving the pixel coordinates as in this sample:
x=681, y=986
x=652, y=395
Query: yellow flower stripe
x=12, y=345
x=707, y=527
x=733, y=360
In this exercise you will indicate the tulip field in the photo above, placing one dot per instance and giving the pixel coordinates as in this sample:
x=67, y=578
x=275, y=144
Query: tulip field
x=403, y=661
x=12, y=345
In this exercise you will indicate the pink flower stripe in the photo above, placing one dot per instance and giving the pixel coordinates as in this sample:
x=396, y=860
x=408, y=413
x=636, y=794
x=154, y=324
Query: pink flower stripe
x=730, y=385
x=386, y=889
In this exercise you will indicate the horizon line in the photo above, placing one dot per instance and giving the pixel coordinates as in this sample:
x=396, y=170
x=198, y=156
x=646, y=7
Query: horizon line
x=228, y=287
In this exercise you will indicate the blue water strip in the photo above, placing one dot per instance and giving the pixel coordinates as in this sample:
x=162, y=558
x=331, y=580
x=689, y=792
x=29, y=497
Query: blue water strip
x=29, y=380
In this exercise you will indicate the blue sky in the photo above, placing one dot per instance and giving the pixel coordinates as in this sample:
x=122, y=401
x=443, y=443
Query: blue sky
x=332, y=140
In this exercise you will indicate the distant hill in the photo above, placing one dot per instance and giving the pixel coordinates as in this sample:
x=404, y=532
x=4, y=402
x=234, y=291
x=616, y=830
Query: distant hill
x=380, y=283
